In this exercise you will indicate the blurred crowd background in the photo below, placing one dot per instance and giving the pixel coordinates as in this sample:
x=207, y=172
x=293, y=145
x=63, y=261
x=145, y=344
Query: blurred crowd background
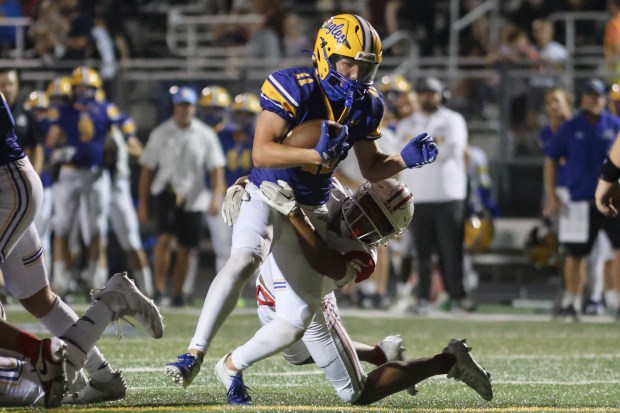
x=493, y=59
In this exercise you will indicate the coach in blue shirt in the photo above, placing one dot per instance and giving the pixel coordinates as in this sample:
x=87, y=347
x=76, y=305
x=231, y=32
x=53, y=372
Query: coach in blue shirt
x=584, y=142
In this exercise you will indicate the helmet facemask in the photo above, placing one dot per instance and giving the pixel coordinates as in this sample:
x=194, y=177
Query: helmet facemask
x=364, y=220
x=84, y=94
x=339, y=87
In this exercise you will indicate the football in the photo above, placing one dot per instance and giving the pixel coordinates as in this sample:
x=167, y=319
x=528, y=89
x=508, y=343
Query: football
x=308, y=133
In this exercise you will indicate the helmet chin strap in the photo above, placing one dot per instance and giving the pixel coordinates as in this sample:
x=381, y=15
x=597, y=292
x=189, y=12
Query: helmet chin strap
x=348, y=102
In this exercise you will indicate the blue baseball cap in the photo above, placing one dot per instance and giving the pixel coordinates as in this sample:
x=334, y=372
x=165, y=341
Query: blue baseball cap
x=594, y=87
x=184, y=95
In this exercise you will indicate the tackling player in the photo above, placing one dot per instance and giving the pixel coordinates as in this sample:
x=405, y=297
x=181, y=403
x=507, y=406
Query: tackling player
x=356, y=225
x=339, y=88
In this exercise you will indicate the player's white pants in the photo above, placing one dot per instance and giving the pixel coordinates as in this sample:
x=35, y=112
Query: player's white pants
x=19, y=383
x=123, y=216
x=21, y=260
x=76, y=186
x=21, y=195
x=221, y=239
x=252, y=239
x=329, y=345
x=43, y=224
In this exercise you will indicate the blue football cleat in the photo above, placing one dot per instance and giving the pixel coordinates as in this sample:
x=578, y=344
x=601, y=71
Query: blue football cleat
x=233, y=381
x=184, y=369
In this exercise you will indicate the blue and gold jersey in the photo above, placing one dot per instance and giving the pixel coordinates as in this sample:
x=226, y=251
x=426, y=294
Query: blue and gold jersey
x=10, y=150
x=86, y=130
x=295, y=95
x=238, y=152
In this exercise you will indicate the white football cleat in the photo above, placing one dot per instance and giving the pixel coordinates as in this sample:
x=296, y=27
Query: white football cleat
x=122, y=296
x=467, y=369
x=393, y=349
x=100, y=391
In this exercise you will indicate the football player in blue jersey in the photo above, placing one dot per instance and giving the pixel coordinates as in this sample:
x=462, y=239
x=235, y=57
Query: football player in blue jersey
x=213, y=105
x=85, y=123
x=338, y=88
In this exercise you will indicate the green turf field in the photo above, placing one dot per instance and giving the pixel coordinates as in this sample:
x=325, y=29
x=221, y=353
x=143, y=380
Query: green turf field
x=537, y=365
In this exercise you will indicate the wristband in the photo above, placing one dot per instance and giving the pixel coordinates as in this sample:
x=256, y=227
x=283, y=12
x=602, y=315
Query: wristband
x=609, y=171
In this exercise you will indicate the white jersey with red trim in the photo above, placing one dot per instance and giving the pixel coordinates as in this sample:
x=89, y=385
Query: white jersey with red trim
x=272, y=281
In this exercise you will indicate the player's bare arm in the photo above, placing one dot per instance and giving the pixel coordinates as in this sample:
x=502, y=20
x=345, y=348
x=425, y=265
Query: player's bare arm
x=550, y=174
x=321, y=258
x=375, y=165
x=267, y=151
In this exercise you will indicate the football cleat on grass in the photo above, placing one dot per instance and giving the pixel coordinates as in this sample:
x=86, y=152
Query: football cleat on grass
x=467, y=369
x=236, y=389
x=184, y=369
x=393, y=350
x=100, y=391
x=123, y=298
x=50, y=363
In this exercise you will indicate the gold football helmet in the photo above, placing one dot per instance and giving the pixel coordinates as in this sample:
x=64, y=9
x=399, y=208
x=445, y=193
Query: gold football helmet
x=88, y=76
x=479, y=232
x=37, y=100
x=247, y=102
x=215, y=95
x=395, y=83
x=59, y=87
x=542, y=245
x=346, y=35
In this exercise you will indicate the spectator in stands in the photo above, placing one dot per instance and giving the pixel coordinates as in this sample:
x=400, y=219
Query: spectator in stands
x=79, y=36
x=266, y=39
x=295, y=36
x=439, y=191
x=552, y=56
x=49, y=30
x=515, y=52
x=531, y=10
x=549, y=50
x=612, y=42
x=584, y=141
x=174, y=162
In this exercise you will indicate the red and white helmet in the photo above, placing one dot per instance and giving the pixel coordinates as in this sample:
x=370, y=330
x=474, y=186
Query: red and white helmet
x=378, y=211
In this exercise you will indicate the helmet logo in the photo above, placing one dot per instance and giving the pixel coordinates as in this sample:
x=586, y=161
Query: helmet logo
x=336, y=31
x=366, y=57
